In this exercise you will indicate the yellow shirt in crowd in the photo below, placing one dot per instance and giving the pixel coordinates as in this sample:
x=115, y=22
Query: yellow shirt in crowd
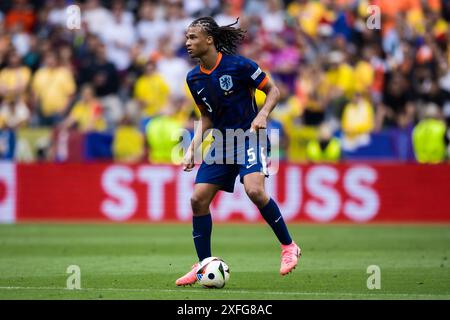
x=128, y=145
x=364, y=75
x=53, y=87
x=309, y=15
x=358, y=118
x=154, y=91
x=11, y=78
x=343, y=78
x=88, y=117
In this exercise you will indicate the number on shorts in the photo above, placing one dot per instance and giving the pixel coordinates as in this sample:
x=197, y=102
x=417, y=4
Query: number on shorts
x=251, y=155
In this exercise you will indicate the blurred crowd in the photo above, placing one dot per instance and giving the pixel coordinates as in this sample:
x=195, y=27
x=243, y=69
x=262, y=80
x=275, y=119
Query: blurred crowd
x=344, y=76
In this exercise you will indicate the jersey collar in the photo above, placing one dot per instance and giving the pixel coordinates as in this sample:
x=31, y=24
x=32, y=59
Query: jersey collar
x=219, y=58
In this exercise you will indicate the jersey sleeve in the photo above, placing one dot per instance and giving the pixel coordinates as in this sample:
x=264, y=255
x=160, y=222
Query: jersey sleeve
x=253, y=74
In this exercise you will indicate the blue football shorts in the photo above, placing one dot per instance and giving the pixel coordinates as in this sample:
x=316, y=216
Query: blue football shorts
x=249, y=159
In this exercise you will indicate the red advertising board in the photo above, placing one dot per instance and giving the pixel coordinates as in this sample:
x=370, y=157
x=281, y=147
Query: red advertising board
x=316, y=193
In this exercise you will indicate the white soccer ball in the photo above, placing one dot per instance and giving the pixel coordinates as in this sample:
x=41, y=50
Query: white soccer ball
x=213, y=272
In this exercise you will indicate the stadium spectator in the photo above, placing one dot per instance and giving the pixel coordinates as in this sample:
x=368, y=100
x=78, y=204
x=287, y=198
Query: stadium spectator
x=20, y=39
x=310, y=94
x=325, y=148
x=161, y=134
x=358, y=121
x=14, y=113
x=397, y=109
x=226, y=16
x=429, y=137
x=298, y=136
x=172, y=68
x=53, y=89
x=202, y=8
x=128, y=143
x=14, y=80
x=284, y=59
x=321, y=53
x=151, y=90
x=309, y=14
x=32, y=57
x=119, y=36
x=339, y=85
x=176, y=23
x=95, y=16
x=444, y=88
x=91, y=55
x=104, y=77
x=150, y=27
x=57, y=14
x=87, y=114
x=339, y=76
x=274, y=18
x=364, y=72
x=5, y=45
x=22, y=14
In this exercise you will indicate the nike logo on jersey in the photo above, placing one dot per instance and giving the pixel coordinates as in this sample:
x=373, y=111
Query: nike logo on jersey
x=278, y=219
x=198, y=92
x=250, y=165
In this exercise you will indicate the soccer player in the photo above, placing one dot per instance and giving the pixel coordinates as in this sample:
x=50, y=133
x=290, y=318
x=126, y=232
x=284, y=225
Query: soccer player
x=223, y=87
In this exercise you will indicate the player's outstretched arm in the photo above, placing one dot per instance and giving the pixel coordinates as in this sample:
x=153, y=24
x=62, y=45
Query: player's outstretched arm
x=188, y=159
x=272, y=96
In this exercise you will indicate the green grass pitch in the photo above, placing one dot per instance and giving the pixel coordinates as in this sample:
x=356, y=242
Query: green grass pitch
x=142, y=261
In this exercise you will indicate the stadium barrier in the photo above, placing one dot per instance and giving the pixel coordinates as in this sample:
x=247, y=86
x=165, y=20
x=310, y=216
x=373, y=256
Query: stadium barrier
x=30, y=145
x=353, y=193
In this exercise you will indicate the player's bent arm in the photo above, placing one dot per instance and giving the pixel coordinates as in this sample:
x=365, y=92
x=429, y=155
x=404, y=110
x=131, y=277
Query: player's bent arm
x=272, y=97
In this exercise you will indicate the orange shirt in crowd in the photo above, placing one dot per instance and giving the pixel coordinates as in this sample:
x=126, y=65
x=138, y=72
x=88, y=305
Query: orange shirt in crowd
x=26, y=17
x=389, y=10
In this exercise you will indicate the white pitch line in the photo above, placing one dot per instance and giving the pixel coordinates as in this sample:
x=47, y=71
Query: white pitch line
x=289, y=293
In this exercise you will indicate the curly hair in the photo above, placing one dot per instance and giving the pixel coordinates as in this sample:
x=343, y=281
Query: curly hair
x=226, y=38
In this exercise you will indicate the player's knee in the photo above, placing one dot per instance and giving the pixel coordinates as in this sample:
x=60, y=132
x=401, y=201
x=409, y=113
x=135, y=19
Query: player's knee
x=256, y=194
x=199, y=205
